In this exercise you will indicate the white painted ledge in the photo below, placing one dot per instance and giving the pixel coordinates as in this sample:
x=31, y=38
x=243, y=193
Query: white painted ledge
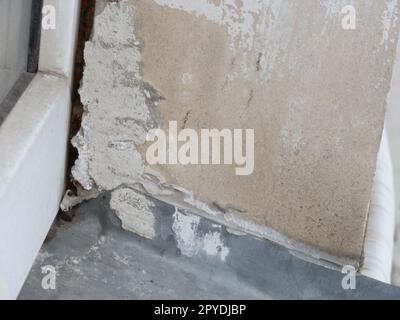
x=33, y=143
x=33, y=147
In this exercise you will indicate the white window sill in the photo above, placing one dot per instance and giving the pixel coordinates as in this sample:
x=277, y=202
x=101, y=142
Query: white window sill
x=33, y=144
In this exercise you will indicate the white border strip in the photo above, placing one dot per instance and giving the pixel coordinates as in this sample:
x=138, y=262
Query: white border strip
x=379, y=238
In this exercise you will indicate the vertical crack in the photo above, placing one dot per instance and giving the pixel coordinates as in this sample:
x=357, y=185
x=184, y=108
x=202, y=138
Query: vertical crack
x=87, y=15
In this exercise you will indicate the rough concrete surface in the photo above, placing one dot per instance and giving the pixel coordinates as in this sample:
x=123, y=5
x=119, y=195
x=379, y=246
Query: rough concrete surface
x=313, y=92
x=95, y=259
x=134, y=210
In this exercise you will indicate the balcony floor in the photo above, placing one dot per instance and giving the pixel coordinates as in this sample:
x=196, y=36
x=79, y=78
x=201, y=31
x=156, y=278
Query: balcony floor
x=96, y=259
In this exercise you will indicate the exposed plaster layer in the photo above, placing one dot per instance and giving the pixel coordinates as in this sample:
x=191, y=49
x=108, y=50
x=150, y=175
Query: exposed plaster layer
x=313, y=92
x=117, y=104
x=249, y=25
x=134, y=210
x=191, y=241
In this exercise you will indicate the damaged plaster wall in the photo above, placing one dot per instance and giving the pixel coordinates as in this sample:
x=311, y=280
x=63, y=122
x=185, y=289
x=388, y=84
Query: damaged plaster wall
x=313, y=92
x=134, y=210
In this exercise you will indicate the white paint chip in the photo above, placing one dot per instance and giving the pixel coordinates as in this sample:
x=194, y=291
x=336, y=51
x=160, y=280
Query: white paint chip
x=191, y=242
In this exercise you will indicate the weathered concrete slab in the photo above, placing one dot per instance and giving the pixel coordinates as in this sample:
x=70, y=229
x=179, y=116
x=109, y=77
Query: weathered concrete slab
x=95, y=259
x=313, y=92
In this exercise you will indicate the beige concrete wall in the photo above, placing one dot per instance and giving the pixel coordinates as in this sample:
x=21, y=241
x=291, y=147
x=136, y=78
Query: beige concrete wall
x=314, y=93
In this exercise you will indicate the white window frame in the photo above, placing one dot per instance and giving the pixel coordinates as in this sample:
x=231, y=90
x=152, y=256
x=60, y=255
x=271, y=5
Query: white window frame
x=33, y=145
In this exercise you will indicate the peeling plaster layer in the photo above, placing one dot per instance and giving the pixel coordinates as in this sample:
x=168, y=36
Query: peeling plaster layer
x=313, y=92
x=117, y=105
x=238, y=17
x=249, y=25
x=134, y=210
x=191, y=241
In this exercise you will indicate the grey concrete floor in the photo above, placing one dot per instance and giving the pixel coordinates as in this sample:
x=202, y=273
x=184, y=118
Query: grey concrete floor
x=95, y=259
